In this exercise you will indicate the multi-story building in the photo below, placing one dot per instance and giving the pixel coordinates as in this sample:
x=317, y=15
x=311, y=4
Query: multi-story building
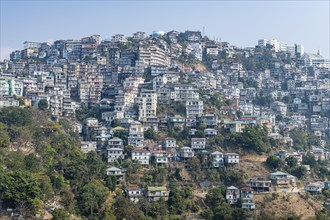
x=194, y=109
x=115, y=143
x=198, y=143
x=154, y=193
x=153, y=56
x=231, y=159
x=218, y=159
x=118, y=38
x=88, y=146
x=141, y=156
x=169, y=143
x=232, y=195
x=184, y=92
x=115, y=154
x=140, y=35
x=246, y=194
x=260, y=184
x=147, y=104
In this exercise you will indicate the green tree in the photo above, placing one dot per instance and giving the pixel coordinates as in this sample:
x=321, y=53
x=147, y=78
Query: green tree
x=122, y=134
x=16, y=116
x=309, y=159
x=19, y=188
x=299, y=138
x=4, y=137
x=21, y=102
x=291, y=161
x=43, y=104
x=60, y=214
x=32, y=163
x=299, y=171
x=111, y=182
x=125, y=209
x=95, y=165
x=151, y=134
x=92, y=196
x=274, y=162
x=176, y=202
x=115, y=123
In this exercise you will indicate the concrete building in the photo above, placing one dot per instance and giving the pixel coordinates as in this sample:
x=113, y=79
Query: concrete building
x=198, y=143
x=147, y=104
x=218, y=159
x=194, y=109
x=115, y=154
x=141, y=156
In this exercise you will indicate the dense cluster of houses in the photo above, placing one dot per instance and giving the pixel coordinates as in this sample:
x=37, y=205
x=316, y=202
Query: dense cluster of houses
x=128, y=79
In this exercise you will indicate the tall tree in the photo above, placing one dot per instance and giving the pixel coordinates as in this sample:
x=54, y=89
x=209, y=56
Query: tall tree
x=92, y=196
x=43, y=104
x=4, y=137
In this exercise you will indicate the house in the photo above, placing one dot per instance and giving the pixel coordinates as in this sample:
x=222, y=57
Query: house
x=314, y=188
x=211, y=120
x=88, y=146
x=152, y=122
x=231, y=159
x=235, y=126
x=115, y=142
x=177, y=121
x=169, y=143
x=160, y=157
x=279, y=108
x=115, y=154
x=135, y=139
x=141, y=156
x=194, y=108
x=147, y=104
x=232, y=195
x=198, y=143
x=260, y=184
x=327, y=204
x=154, y=193
x=117, y=172
x=210, y=132
x=281, y=179
x=246, y=194
x=135, y=194
x=186, y=153
x=218, y=159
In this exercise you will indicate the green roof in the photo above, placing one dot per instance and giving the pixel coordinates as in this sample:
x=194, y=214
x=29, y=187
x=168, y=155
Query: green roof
x=157, y=188
x=118, y=128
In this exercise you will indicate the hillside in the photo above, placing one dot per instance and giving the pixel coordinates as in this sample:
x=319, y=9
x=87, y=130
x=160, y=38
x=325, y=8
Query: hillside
x=282, y=205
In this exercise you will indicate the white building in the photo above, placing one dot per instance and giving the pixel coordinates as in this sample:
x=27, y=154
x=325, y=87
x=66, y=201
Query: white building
x=232, y=195
x=141, y=156
x=315, y=60
x=118, y=38
x=184, y=92
x=140, y=35
x=88, y=146
x=218, y=159
x=198, y=143
x=115, y=154
x=279, y=107
x=194, y=108
x=169, y=143
x=147, y=103
x=115, y=142
x=231, y=159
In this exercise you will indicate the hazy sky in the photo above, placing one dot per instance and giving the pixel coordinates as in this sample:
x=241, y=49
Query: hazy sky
x=240, y=23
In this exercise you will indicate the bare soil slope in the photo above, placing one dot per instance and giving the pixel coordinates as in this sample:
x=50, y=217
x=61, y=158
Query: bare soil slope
x=285, y=204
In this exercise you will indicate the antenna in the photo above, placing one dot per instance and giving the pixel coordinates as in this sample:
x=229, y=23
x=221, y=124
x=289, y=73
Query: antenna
x=203, y=31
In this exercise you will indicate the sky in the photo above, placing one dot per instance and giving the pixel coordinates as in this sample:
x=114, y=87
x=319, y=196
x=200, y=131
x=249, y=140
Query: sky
x=240, y=23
